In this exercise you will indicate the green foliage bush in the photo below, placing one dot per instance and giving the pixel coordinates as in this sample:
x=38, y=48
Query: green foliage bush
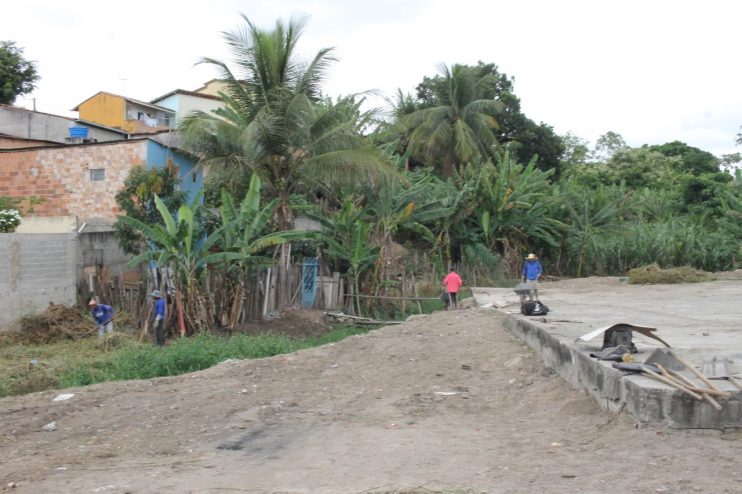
x=9, y=220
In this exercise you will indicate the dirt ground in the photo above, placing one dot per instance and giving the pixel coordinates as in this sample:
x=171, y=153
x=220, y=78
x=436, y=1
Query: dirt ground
x=449, y=402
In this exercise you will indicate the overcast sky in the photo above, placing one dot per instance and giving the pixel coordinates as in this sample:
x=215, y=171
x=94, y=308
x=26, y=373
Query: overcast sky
x=653, y=71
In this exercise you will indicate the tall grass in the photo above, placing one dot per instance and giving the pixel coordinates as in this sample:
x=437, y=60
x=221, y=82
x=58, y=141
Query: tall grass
x=75, y=365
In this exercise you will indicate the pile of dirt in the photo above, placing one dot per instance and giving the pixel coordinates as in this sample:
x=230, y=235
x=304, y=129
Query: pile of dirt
x=57, y=322
x=293, y=322
x=653, y=274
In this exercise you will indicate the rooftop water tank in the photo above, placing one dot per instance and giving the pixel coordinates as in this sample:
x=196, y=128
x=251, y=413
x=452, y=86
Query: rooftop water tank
x=81, y=132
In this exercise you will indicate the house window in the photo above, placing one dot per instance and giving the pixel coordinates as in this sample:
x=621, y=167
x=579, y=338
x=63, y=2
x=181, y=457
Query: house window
x=97, y=174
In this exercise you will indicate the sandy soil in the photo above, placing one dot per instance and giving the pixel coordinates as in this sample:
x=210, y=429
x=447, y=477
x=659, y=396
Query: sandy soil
x=448, y=402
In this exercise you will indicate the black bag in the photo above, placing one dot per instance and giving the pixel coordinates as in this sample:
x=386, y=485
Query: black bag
x=534, y=308
x=620, y=334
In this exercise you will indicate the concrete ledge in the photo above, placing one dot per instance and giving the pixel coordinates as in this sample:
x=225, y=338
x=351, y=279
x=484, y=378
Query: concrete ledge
x=648, y=400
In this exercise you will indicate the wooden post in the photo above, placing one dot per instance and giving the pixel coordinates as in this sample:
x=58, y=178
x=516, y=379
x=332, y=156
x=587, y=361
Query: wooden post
x=414, y=288
x=334, y=293
x=341, y=295
x=402, y=286
x=267, y=291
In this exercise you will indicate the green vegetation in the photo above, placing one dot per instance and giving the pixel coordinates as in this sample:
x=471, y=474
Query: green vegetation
x=29, y=368
x=137, y=200
x=18, y=76
x=453, y=175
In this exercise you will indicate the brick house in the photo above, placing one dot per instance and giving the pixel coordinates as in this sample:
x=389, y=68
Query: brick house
x=82, y=180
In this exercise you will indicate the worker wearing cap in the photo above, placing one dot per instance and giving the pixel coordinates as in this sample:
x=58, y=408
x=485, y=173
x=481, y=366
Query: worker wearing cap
x=532, y=271
x=103, y=315
x=160, y=314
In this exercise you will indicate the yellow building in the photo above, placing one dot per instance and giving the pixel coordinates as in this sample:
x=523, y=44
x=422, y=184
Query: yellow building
x=213, y=87
x=127, y=114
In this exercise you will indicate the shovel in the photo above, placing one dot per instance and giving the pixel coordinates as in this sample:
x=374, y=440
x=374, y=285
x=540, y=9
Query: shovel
x=665, y=359
x=654, y=372
x=716, y=368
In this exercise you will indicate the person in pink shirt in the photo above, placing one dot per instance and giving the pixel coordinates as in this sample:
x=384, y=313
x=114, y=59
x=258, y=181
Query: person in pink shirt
x=452, y=282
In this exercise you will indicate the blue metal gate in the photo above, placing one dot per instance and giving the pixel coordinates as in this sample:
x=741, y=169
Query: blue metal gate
x=309, y=283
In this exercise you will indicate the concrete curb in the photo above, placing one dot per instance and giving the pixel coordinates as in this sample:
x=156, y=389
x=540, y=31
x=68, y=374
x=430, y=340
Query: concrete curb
x=649, y=401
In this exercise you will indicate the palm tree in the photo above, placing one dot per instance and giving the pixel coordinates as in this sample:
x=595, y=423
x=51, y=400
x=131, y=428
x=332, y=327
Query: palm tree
x=461, y=129
x=275, y=124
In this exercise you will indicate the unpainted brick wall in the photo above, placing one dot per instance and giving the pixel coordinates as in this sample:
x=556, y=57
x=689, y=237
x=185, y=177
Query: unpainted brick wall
x=61, y=176
x=36, y=269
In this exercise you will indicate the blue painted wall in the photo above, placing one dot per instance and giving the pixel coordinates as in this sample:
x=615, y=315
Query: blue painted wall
x=191, y=179
x=172, y=102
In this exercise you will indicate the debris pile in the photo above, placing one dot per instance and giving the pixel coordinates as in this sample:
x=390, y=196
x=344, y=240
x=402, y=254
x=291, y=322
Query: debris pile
x=654, y=274
x=57, y=322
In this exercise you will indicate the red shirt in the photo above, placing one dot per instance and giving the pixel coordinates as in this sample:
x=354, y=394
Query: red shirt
x=452, y=282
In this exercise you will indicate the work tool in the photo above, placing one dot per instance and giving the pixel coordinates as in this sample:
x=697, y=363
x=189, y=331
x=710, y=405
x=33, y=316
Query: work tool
x=716, y=368
x=654, y=373
x=700, y=375
x=662, y=357
x=676, y=376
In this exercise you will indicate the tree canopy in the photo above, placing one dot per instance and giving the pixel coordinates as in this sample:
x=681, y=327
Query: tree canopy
x=525, y=137
x=18, y=76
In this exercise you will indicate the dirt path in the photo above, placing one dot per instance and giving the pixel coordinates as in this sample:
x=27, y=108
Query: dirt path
x=447, y=402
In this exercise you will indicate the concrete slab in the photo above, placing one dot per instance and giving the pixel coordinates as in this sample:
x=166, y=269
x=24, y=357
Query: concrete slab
x=700, y=321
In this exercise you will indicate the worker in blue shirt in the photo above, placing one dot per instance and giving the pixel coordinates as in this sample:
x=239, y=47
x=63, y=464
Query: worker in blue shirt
x=160, y=314
x=103, y=315
x=532, y=271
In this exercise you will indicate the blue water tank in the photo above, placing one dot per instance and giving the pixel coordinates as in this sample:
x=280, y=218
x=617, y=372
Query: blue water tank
x=81, y=132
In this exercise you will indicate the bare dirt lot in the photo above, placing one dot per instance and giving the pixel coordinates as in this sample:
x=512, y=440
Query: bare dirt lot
x=449, y=402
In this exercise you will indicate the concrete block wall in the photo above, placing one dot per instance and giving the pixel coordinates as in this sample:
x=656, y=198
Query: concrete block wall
x=35, y=270
x=61, y=176
x=646, y=399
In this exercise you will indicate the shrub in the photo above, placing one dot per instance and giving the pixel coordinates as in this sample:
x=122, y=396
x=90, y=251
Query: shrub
x=9, y=220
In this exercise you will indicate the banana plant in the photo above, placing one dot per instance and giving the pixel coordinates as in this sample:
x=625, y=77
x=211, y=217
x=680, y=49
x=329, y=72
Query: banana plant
x=358, y=251
x=407, y=204
x=178, y=244
x=513, y=206
x=245, y=228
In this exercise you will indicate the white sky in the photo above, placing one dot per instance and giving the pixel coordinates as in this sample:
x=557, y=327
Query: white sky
x=653, y=70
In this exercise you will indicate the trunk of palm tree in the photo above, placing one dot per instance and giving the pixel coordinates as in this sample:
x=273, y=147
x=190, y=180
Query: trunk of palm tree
x=283, y=283
x=285, y=220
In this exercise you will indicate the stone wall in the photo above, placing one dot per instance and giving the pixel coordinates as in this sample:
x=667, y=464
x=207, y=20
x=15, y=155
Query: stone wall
x=36, y=270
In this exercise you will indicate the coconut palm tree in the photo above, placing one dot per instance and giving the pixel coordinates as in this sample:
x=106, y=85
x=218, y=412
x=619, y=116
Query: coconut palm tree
x=461, y=129
x=275, y=123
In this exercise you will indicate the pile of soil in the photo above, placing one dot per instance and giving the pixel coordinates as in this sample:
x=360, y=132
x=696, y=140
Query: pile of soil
x=292, y=322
